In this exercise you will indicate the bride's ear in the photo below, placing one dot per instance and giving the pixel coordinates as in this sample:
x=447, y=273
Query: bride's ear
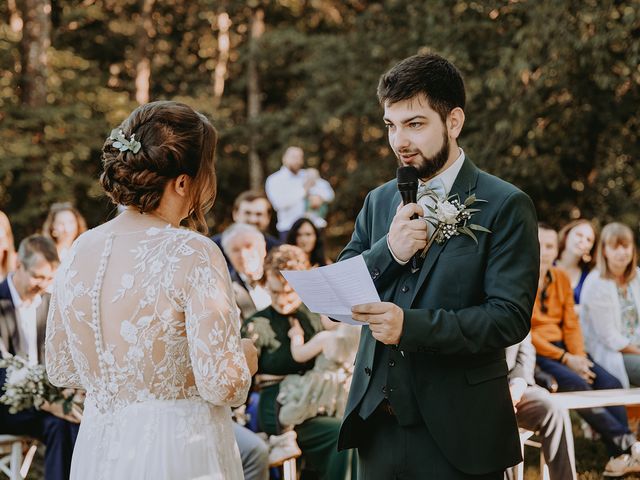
x=181, y=185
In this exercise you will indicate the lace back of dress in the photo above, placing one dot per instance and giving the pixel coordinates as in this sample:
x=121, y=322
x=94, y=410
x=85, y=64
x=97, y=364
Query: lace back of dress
x=134, y=346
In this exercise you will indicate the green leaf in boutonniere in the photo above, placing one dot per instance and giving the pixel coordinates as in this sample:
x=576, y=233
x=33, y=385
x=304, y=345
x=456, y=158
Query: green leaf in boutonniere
x=451, y=217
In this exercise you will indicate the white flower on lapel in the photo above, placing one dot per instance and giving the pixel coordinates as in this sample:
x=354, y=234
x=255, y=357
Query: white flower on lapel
x=446, y=212
x=451, y=217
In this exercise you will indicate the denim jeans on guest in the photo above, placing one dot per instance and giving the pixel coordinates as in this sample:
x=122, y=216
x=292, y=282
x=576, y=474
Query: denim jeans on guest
x=610, y=422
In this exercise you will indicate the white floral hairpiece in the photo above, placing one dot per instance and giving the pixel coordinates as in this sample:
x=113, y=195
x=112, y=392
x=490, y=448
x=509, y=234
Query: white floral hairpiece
x=121, y=143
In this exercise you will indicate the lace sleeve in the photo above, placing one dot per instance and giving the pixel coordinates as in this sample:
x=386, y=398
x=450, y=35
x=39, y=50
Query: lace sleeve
x=59, y=364
x=213, y=331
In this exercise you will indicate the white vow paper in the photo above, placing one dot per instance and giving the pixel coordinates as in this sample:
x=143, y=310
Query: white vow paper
x=334, y=289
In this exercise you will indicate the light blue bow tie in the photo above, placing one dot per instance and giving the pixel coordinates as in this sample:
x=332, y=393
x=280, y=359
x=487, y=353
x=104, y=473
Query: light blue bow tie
x=436, y=186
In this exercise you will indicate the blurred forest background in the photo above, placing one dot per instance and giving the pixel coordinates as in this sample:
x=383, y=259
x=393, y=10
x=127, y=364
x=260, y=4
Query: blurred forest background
x=553, y=94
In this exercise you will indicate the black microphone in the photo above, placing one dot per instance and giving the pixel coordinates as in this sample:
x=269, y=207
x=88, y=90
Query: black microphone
x=407, y=178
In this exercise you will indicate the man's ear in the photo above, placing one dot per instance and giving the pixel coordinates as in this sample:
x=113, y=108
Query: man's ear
x=455, y=122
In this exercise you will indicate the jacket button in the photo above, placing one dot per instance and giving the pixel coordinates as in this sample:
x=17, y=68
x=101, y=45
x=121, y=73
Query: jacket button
x=384, y=390
x=405, y=289
x=367, y=370
x=375, y=273
x=392, y=363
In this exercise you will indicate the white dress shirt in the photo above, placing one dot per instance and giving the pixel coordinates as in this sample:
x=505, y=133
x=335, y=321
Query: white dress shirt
x=448, y=178
x=27, y=323
x=259, y=294
x=286, y=193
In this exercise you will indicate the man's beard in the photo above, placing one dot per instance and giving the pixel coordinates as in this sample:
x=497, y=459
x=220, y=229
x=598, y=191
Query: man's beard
x=430, y=166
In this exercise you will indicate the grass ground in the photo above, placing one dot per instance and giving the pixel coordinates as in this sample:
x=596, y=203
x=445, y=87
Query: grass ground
x=591, y=455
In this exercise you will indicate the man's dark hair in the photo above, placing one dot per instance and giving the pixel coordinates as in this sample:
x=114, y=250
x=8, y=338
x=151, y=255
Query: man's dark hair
x=545, y=226
x=35, y=245
x=431, y=75
x=250, y=196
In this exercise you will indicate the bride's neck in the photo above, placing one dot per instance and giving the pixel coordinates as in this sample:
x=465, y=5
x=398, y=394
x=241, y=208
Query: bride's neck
x=158, y=215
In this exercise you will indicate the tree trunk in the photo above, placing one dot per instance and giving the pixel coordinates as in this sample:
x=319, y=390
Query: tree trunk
x=36, y=39
x=220, y=74
x=256, y=175
x=143, y=52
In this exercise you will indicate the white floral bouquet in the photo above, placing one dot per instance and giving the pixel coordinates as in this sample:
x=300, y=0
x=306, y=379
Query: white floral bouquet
x=27, y=386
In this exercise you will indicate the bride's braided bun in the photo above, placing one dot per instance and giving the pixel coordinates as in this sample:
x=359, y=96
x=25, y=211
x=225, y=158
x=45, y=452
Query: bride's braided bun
x=175, y=140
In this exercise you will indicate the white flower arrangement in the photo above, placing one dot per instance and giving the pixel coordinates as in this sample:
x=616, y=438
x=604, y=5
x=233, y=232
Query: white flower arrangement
x=451, y=217
x=27, y=386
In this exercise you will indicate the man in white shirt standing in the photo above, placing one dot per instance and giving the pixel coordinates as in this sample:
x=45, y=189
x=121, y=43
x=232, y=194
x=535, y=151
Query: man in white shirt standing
x=23, y=315
x=293, y=190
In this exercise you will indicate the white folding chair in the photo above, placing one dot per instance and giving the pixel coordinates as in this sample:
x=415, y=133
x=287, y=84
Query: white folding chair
x=12, y=462
x=517, y=472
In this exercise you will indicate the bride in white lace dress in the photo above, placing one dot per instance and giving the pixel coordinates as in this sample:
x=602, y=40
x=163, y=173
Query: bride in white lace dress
x=143, y=317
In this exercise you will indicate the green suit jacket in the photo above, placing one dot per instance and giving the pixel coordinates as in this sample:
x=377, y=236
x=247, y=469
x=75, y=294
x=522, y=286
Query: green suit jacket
x=471, y=302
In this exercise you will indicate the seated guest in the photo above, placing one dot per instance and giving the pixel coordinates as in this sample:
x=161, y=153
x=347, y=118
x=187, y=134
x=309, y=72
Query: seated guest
x=557, y=337
x=23, y=315
x=253, y=208
x=305, y=235
x=245, y=248
x=63, y=225
x=324, y=389
x=268, y=328
x=7, y=247
x=576, y=253
x=610, y=305
x=536, y=411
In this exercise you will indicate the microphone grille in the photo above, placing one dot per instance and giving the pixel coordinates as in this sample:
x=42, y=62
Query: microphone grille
x=407, y=174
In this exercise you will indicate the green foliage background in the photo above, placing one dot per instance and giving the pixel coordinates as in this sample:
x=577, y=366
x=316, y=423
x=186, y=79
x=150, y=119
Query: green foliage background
x=553, y=96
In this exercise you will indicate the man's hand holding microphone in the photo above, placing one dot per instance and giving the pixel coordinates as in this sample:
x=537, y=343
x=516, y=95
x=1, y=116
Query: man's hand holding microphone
x=407, y=236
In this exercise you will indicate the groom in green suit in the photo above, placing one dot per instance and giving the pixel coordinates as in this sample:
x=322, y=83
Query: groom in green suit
x=430, y=397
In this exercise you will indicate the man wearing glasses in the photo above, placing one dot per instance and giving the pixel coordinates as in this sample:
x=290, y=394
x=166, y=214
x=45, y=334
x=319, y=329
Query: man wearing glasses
x=23, y=314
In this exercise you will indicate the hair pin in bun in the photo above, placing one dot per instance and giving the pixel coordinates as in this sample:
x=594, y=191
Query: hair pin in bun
x=121, y=143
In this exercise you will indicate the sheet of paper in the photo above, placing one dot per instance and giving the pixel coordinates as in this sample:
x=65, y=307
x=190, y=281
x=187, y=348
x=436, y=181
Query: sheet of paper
x=334, y=289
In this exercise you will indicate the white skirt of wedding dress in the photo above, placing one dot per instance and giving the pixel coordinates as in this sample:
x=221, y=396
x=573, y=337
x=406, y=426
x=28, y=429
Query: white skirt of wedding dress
x=157, y=440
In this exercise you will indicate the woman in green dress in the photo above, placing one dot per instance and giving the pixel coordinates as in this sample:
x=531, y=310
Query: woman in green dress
x=268, y=328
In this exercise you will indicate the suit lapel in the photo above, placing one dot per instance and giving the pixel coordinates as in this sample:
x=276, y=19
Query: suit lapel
x=8, y=320
x=464, y=185
x=395, y=201
x=41, y=322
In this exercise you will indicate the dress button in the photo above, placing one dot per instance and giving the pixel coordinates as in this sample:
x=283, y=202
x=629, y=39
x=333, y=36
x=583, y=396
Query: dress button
x=405, y=289
x=392, y=363
x=367, y=370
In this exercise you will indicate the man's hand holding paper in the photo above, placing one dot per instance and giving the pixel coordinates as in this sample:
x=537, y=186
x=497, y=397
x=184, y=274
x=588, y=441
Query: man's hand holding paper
x=385, y=320
x=333, y=290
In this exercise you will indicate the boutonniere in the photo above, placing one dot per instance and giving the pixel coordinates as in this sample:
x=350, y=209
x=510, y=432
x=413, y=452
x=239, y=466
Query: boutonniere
x=451, y=217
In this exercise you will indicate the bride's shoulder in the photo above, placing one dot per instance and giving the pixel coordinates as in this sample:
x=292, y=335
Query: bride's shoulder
x=194, y=244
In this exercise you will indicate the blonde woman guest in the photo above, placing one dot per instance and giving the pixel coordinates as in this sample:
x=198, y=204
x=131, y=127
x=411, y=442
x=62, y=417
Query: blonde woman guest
x=63, y=225
x=611, y=305
x=576, y=252
x=7, y=247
